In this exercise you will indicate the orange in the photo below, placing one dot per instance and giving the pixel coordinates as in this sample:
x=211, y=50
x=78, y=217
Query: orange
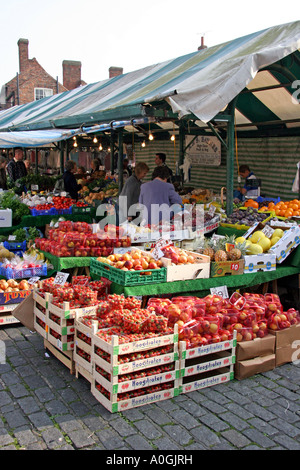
x=281, y=213
x=288, y=213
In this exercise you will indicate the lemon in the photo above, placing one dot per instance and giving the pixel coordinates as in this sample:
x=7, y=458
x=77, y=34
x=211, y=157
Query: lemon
x=265, y=243
x=278, y=232
x=274, y=240
x=257, y=236
x=254, y=249
x=240, y=240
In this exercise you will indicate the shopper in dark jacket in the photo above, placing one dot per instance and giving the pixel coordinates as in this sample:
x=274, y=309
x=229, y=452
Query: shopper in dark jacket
x=3, y=180
x=71, y=185
x=16, y=168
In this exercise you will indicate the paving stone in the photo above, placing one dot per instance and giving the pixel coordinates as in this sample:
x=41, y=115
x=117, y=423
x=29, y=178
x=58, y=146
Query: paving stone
x=18, y=390
x=205, y=436
x=110, y=439
x=4, y=399
x=236, y=438
x=122, y=427
x=165, y=443
x=159, y=416
x=28, y=404
x=213, y=422
x=178, y=434
x=5, y=438
x=26, y=436
x=40, y=420
x=81, y=438
x=287, y=442
x=70, y=423
x=234, y=421
x=148, y=429
x=53, y=438
x=55, y=407
x=185, y=418
x=138, y=443
x=15, y=419
x=259, y=438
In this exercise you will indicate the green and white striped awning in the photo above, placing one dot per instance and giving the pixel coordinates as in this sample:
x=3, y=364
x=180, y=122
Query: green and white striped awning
x=262, y=69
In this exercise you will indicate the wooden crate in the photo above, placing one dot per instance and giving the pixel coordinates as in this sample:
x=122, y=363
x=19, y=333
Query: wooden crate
x=110, y=379
x=39, y=321
x=206, y=366
x=81, y=345
x=6, y=314
x=65, y=357
x=199, y=270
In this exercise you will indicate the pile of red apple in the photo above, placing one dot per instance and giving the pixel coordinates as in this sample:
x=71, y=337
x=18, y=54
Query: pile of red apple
x=134, y=260
x=76, y=239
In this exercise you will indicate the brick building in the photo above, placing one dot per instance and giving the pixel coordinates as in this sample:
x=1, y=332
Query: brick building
x=33, y=82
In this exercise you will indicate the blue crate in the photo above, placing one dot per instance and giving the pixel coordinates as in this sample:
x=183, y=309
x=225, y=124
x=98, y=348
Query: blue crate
x=15, y=246
x=10, y=273
x=51, y=211
x=268, y=199
x=64, y=211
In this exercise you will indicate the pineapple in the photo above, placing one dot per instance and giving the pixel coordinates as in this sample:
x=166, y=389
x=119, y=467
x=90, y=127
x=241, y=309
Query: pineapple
x=220, y=253
x=237, y=252
x=208, y=249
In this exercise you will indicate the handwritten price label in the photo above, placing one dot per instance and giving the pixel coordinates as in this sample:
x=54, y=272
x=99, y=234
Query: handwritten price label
x=61, y=278
x=220, y=291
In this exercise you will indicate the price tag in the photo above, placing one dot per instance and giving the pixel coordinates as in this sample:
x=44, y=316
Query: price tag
x=120, y=251
x=33, y=280
x=220, y=291
x=11, y=238
x=212, y=210
x=61, y=278
x=268, y=231
x=34, y=187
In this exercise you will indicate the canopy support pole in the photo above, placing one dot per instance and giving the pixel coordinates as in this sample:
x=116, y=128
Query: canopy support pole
x=36, y=161
x=120, y=161
x=112, y=151
x=230, y=158
x=61, y=157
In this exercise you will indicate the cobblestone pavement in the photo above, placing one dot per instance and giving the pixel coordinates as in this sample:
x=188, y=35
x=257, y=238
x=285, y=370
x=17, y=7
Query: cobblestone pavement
x=43, y=406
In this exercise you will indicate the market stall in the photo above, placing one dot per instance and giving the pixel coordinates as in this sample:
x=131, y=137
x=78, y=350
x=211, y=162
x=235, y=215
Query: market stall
x=101, y=329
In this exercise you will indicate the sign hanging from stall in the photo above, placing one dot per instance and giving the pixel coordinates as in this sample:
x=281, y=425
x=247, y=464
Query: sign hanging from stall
x=203, y=150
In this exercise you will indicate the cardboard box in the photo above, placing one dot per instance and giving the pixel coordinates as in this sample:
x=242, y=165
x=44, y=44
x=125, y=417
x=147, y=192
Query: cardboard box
x=261, y=262
x=227, y=268
x=256, y=365
x=5, y=217
x=287, y=344
x=24, y=312
x=287, y=336
x=256, y=348
x=289, y=241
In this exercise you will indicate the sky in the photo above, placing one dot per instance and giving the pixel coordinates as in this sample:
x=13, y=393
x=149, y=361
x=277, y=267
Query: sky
x=130, y=34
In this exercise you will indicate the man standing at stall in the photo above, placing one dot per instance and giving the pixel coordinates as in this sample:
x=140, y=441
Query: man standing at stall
x=160, y=160
x=16, y=168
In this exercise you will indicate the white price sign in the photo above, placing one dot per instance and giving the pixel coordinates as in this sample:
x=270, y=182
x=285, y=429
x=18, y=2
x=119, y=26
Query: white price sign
x=220, y=291
x=33, y=280
x=61, y=278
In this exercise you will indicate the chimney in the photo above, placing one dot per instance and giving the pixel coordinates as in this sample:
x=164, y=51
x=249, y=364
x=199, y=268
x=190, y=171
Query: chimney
x=23, y=54
x=71, y=74
x=202, y=44
x=115, y=71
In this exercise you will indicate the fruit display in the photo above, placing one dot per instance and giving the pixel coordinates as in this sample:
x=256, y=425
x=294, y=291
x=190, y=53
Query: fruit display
x=224, y=249
x=76, y=239
x=261, y=241
x=286, y=208
x=246, y=217
x=11, y=285
x=214, y=319
x=133, y=260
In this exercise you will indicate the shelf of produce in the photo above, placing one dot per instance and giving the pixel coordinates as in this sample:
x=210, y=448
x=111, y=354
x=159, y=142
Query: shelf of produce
x=202, y=286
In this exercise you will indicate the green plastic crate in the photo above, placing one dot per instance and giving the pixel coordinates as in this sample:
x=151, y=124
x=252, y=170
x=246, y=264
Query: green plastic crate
x=81, y=210
x=127, y=278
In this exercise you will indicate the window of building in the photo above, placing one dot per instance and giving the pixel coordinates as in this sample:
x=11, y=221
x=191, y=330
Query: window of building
x=40, y=93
